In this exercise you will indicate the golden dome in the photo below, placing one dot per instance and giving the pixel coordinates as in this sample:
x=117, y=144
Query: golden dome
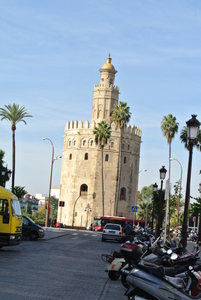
x=108, y=64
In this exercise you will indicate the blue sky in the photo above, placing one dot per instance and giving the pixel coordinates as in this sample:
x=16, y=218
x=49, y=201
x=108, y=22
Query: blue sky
x=50, y=56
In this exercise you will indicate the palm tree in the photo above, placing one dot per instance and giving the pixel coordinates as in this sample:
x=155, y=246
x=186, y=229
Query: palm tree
x=120, y=116
x=183, y=138
x=169, y=128
x=14, y=114
x=102, y=133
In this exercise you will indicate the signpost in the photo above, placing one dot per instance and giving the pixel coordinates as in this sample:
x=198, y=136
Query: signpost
x=134, y=210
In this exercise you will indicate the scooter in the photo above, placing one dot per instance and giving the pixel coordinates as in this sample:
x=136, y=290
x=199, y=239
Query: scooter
x=159, y=255
x=176, y=281
x=116, y=263
x=152, y=284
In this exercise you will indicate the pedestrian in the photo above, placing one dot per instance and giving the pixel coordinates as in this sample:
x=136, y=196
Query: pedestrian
x=128, y=229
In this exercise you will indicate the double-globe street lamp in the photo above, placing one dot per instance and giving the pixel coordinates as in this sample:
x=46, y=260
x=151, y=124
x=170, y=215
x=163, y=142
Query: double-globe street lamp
x=179, y=191
x=193, y=126
x=52, y=162
x=5, y=175
x=162, y=177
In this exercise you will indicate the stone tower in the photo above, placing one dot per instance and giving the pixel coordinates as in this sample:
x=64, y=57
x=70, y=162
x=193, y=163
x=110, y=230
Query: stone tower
x=80, y=185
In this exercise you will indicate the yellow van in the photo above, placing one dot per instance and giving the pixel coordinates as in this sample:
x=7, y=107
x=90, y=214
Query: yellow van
x=10, y=219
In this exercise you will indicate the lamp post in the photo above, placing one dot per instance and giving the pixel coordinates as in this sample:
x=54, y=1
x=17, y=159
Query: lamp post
x=5, y=175
x=111, y=201
x=155, y=187
x=144, y=170
x=52, y=162
x=87, y=209
x=192, y=134
x=179, y=191
x=162, y=177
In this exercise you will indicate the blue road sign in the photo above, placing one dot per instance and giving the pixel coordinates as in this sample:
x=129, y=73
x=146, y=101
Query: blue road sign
x=134, y=208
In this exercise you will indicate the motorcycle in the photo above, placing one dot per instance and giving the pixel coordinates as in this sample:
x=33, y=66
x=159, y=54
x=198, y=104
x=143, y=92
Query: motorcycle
x=152, y=284
x=159, y=254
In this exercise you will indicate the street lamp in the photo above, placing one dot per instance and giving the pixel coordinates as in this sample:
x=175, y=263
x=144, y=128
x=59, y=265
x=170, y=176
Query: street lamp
x=144, y=170
x=179, y=191
x=52, y=162
x=193, y=126
x=155, y=187
x=162, y=177
x=5, y=175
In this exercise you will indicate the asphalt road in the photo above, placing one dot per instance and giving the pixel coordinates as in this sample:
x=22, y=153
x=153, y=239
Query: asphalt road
x=66, y=264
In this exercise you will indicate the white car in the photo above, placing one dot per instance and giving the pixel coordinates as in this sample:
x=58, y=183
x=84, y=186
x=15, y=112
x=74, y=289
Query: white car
x=112, y=232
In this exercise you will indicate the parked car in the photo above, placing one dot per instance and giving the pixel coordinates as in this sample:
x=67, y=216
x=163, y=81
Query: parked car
x=112, y=232
x=31, y=230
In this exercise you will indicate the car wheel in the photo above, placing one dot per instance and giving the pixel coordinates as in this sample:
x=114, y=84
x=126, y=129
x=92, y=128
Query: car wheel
x=103, y=240
x=33, y=236
x=113, y=275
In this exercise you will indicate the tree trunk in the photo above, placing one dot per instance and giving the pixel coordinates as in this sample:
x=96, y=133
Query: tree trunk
x=168, y=198
x=102, y=180
x=13, y=159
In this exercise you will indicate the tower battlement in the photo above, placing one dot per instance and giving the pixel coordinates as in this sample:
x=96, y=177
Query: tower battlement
x=105, y=85
x=72, y=125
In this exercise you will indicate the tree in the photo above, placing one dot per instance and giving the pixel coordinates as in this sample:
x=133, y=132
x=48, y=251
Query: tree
x=19, y=191
x=120, y=116
x=169, y=128
x=14, y=114
x=195, y=209
x=184, y=140
x=174, y=199
x=102, y=133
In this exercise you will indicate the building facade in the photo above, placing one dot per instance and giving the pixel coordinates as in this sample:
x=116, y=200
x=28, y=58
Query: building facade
x=80, y=184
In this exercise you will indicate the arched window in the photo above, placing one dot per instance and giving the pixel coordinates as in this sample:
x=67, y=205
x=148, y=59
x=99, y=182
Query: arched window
x=128, y=147
x=122, y=146
x=69, y=143
x=84, y=143
x=70, y=156
x=123, y=194
x=106, y=157
x=86, y=156
x=92, y=142
x=112, y=144
x=83, y=190
x=74, y=143
x=125, y=160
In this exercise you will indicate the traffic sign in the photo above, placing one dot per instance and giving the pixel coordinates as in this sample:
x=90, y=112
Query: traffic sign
x=134, y=208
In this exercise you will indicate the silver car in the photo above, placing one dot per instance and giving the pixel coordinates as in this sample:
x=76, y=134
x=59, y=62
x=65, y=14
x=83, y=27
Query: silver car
x=112, y=232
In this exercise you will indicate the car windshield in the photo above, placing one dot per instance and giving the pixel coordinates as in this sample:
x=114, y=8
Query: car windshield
x=112, y=227
x=29, y=219
x=16, y=210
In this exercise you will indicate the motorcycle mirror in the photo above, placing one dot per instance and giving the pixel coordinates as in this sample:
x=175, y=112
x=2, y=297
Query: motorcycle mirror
x=169, y=251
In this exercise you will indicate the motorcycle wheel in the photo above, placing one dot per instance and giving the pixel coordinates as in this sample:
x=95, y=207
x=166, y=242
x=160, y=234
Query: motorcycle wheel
x=113, y=275
x=123, y=281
